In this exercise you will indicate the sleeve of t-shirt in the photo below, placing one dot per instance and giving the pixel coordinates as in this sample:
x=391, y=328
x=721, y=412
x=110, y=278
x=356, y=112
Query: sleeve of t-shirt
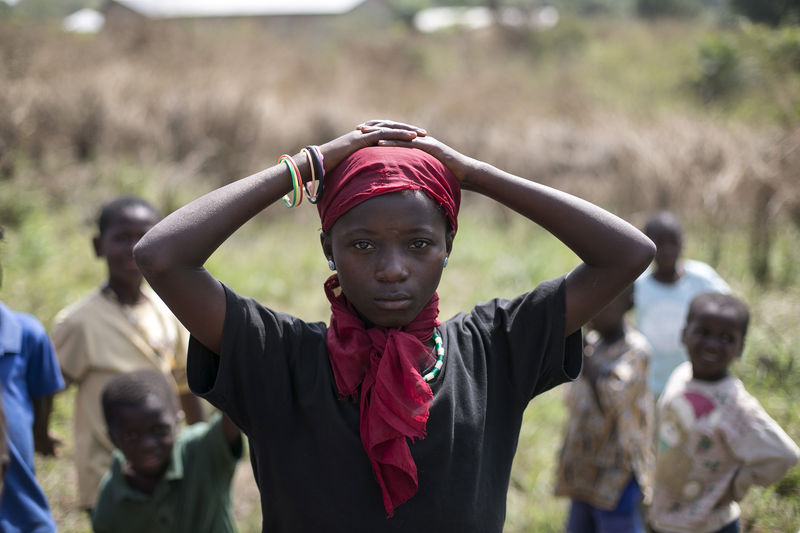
x=208, y=442
x=44, y=374
x=261, y=351
x=710, y=280
x=527, y=335
x=72, y=347
x=765, y=450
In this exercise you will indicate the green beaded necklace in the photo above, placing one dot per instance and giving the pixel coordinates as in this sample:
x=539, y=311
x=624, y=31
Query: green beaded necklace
x=437, y=366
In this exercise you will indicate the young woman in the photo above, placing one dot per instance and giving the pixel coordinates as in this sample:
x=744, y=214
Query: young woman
x=427, y=439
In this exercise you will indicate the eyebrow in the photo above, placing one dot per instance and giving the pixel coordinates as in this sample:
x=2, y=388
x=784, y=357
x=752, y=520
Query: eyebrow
x=427, y=230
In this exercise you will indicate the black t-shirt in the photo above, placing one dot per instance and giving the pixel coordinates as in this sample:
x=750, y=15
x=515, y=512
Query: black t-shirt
x=275, y=382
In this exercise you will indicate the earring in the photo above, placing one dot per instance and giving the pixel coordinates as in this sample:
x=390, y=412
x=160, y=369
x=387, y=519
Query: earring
x=331, y=265
x=445, y=261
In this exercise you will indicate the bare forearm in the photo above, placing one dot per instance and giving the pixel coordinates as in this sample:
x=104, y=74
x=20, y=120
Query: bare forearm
x=192, y=408
x=42, y=408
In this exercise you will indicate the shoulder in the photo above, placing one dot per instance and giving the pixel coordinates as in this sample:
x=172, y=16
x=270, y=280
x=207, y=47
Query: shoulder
x=205, y=441
x=246, y=312
x=701, y=272
x=676, y=383
x=637, y=342
x=30, y=324
x=81, y=310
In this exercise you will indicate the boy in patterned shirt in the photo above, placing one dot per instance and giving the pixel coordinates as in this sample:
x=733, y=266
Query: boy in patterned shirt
x=714, y=439
x=606, y=462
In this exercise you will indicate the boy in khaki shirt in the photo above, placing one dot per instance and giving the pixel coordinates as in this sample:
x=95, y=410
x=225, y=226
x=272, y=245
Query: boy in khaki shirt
x=119, y=327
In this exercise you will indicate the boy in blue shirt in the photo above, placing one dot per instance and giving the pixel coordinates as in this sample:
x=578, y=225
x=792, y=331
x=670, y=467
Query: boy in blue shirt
x=29, y=376
x=162, y=480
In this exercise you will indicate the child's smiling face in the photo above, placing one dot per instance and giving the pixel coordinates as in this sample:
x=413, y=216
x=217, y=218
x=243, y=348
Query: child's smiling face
x=389, y=253
x=714, y=338
x=145, y=434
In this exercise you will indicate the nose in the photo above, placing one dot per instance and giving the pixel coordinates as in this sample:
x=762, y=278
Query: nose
x=391, y=265
x=149, y=442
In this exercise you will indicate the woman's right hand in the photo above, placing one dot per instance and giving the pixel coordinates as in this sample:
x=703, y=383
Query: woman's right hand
x=367, y=134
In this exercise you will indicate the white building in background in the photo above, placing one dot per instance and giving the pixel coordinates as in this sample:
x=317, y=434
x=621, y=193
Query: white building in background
x=278, y=14
x=174, y=9
x=84, y=21
x=473, y=18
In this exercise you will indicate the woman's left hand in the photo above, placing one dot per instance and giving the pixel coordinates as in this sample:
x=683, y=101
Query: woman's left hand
x=459, y=164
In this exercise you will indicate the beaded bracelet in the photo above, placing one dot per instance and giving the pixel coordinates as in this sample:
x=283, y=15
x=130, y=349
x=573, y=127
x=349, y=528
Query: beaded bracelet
x=297, y=182
x=312, y=197
x=319, y=172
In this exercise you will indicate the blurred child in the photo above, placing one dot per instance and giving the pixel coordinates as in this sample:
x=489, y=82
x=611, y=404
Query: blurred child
x=29, y=376
x=663, y=294
x=606, y=462
x=714, y=439
x=162, y=480
x=119, y=327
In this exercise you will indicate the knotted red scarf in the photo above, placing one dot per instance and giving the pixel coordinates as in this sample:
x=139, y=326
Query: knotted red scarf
x=383, y=364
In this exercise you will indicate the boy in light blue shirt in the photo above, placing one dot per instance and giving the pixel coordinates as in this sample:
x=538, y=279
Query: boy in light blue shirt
x=663, y=294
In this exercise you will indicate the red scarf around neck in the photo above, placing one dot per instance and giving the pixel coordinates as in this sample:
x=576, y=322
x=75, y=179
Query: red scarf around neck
x=383, y=364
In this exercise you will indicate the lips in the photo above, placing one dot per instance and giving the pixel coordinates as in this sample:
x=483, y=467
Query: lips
x=150, y=461
x=393, y=301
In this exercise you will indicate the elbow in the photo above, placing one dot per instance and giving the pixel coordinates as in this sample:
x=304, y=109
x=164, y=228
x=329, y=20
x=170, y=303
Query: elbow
x=148, y=258
x=643, y=254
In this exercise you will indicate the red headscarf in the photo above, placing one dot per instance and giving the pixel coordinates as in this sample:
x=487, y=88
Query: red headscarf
x=383, y=364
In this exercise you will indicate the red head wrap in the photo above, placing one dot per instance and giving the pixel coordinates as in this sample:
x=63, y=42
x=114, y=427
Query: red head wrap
x=383, y=364
x=380, y=170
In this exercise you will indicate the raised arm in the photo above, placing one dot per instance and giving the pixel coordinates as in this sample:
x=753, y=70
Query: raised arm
x=172, y=254
x=613, y=252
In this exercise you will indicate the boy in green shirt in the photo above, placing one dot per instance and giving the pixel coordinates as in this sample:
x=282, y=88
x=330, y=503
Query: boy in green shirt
x=161, y=479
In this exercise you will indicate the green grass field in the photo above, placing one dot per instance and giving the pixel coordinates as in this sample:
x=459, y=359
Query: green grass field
x=516, y=254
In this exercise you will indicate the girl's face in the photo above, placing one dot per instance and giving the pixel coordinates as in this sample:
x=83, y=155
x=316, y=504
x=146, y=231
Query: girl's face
x=389, y=253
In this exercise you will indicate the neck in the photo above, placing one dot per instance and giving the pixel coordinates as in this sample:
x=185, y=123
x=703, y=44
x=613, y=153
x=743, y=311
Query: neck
x=668, y=276
x=612, y=336
x=126, y=294
x=145, y=484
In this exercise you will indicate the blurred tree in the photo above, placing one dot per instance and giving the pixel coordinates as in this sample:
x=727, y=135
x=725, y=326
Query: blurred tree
x=772, y=12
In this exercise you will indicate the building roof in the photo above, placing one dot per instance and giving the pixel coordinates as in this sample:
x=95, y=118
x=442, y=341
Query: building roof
x=84, y=21
x=236, y=8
